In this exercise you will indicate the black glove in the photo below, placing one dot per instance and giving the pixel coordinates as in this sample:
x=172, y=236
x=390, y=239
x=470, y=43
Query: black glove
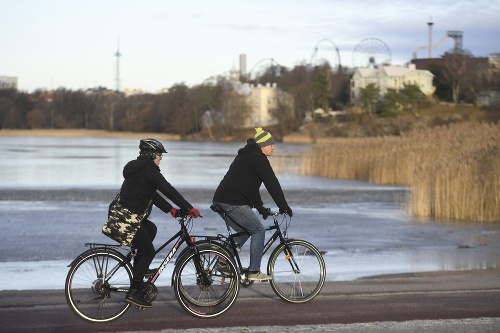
x=286, y=210
x=265, y=212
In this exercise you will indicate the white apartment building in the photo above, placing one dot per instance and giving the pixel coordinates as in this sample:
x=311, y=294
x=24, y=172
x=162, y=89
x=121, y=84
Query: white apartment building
x=262, y=99
x=8, y=82
x=390, y=77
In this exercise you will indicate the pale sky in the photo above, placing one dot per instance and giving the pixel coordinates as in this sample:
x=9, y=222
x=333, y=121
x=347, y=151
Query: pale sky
x=72, y=43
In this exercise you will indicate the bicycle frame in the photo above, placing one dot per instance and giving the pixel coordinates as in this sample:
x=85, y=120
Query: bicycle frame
x=289, y=282
x=182, y=236
x=229, y=240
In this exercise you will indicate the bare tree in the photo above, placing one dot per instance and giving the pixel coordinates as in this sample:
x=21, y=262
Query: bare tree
x=36, y=119
x=284, y=114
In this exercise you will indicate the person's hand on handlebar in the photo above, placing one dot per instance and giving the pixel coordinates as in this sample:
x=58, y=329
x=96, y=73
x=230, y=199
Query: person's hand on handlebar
x=175, y=212
x=287, y=211
x=194, y=213
x=265, y=212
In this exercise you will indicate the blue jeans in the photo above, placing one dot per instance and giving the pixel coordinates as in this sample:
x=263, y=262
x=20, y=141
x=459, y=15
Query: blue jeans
x=250, y=222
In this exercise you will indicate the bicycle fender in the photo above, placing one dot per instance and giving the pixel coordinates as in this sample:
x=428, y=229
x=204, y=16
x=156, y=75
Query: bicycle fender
x=97, y=249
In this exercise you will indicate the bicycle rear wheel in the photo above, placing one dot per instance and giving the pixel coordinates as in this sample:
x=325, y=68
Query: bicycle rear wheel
x=299, y=275
x=205, y=298
x=96, y=286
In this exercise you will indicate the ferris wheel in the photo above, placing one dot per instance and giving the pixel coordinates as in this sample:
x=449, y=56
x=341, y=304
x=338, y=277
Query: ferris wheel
x=371, y=52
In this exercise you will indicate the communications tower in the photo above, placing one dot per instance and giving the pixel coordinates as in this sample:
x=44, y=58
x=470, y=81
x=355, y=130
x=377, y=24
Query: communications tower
x=430, y=24
x=117, y=74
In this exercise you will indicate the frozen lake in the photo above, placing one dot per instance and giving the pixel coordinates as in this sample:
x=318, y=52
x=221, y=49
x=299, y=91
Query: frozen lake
x=91, y=162
x=54, y=194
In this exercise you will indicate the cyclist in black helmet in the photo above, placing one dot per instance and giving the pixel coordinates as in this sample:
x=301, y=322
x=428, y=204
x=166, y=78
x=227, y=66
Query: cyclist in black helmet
x=142, y=185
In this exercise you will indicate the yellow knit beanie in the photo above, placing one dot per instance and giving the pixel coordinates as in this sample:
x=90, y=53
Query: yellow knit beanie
x=263, y=138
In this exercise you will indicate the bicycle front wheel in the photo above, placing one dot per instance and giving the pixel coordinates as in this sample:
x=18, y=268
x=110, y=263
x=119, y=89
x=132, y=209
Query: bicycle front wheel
x=209, y=293
x=96, y=286
x=298, y=271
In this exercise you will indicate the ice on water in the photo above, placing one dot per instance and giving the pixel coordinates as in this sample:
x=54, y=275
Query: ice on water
x=361, y=229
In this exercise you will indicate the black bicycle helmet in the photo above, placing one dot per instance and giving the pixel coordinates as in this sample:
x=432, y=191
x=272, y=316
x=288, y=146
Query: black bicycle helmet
x=151, y=146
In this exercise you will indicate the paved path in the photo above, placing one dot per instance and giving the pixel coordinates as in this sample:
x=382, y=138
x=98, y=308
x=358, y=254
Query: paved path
x=479, y=325
x=465, y=301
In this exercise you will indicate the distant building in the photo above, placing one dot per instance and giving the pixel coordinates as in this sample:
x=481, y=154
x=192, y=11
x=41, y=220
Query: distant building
x=486, y=98
x=133, y=91
x=471, y=63
x=263, y=99
x=101, y=91
x=494, y=60
x=483, y=66
x=390, y=77
x=8, y=82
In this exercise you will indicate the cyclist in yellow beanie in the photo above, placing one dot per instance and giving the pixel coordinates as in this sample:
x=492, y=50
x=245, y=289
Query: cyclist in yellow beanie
x=238, y=193
x=263, y=138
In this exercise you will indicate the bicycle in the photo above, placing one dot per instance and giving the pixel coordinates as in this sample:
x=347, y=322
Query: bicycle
x=99, y=278
x=297, y=267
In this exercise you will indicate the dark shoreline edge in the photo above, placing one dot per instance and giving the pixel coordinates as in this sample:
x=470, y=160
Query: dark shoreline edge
x=302, y=197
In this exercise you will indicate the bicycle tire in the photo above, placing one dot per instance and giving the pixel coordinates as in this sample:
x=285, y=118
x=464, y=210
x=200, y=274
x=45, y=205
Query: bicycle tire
x=90, y=296
x=297, y=286
x=198, y=299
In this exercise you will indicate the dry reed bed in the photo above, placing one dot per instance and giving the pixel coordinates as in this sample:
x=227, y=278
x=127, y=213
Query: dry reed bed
x=453, y=172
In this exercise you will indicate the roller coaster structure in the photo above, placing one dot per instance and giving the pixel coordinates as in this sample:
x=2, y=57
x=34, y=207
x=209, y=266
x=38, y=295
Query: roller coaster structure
x=457, y=37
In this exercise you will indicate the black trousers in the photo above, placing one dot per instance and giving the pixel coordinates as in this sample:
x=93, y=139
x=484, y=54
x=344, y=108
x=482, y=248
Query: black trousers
x=143, y=242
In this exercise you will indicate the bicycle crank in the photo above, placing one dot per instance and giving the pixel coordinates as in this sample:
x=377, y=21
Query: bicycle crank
x=150, y=291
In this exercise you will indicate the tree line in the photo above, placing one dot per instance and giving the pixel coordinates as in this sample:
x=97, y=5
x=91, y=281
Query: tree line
x=181, y=109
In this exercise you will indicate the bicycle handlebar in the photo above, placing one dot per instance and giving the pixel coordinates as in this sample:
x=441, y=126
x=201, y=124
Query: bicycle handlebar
x=184, y=217
x=274, y=214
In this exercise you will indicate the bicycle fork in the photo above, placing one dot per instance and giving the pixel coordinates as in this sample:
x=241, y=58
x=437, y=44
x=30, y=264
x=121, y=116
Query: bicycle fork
x=202, y=276
x=290, y=257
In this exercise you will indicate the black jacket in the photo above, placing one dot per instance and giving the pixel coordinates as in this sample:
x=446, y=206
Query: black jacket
x=142, y=181
x=241, y=184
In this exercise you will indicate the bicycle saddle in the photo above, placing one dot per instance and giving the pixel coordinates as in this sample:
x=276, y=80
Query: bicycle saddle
x=216, y=208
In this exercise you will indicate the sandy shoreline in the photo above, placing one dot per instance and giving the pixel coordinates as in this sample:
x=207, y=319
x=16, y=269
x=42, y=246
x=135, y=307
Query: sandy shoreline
x=292, y=138
x=85, y=133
